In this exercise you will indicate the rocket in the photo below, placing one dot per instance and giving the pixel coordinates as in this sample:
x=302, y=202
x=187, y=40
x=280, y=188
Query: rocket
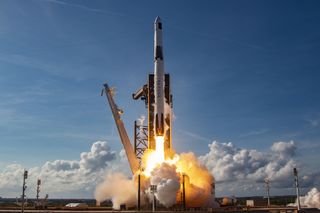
x=156, y=94
x=158, y=79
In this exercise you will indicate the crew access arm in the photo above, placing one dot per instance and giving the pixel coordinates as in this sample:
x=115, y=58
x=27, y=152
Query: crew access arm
x=133, y=161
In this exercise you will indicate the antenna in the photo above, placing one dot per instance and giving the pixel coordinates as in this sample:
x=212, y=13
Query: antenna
x=38, y=190
x=24, y=187
x=296, y=181
x=267, y=184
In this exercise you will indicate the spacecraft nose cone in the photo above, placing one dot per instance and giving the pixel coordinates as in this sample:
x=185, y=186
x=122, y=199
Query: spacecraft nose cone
x=157, y=20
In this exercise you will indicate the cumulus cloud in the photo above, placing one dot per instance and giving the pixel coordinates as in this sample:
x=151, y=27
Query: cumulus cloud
x=10, y=176
x=61, y=165
x=233, y=168
x=228, y=164
x=99, y=156
x=68, y=176
x=285, y=149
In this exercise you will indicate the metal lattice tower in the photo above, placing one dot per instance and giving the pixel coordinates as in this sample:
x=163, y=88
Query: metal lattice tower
x=24, y=187
x=296, y=181
x=267, y=185
x=38, y=190
x=140, y=140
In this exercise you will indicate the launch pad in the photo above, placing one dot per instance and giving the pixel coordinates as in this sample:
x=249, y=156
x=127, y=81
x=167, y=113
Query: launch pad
x=153, y=150
x=152, y=143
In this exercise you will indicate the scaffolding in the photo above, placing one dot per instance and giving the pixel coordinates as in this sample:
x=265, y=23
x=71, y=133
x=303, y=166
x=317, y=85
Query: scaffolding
x=140, y=140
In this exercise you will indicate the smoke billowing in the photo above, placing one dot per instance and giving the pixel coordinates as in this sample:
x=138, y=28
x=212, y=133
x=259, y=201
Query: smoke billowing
x=310, y=200
x=168, y=176
x=233, y=168
x=237, y=171
x=198, y=181
x=118, y=188
x=168, y=183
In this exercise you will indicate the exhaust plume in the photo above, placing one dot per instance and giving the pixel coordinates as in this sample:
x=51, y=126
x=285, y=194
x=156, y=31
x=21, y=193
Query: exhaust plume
x=310, y=200
x=118, y=188
x=167, y=175
x=168, y=183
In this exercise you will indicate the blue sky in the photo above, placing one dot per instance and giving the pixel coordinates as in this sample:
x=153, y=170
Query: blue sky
x=242, y=71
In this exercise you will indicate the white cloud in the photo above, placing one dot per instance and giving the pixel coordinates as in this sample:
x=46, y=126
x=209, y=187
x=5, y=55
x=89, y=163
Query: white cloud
x=99, y=156
x=286, y=149
x=9, y=177
x=249, y=168
x=61, y=165
x=65, y=178
x=235, y=170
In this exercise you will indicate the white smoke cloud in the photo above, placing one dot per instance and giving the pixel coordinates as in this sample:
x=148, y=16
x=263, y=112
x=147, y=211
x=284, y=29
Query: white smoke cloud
x=118, y=188
x=310, y=200
x=167, y=178
x=168, y=183
x=233, y=168
x=121, y=189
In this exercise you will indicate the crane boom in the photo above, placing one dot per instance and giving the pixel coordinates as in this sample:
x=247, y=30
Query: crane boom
x=133, y=161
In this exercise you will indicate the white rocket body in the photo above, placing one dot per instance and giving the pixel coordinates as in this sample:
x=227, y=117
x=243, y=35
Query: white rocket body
x=158, y=79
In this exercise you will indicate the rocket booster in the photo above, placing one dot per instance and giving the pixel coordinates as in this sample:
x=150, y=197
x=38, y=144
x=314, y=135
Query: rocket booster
x=158, y=79
x=157, y=96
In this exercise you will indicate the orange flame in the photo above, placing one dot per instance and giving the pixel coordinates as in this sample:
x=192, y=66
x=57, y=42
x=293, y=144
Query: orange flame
x=198, y=179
